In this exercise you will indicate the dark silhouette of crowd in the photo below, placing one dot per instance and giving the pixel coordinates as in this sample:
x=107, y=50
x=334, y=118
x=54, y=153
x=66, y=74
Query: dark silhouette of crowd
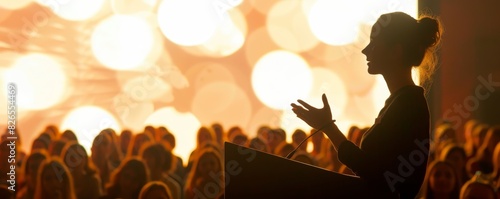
x=141, y=164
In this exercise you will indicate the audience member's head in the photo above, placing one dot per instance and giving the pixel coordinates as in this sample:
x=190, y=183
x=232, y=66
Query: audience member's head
x=208, y=163
x=54, y=181
x=204, y=135
x=77, y=161
x=125, y=138
x=33, y=162
x=137, y=142
x=475, y=188
x=151, y=131
x=219, y=133
x=101, y=148
x=42, y=142
x=128, y=179
x=259, y=144
x=283, y=149
x=441, y=180
x=69, y=135
x=478, y=135
x=275, y=137
x=297, y=137
x=455, y=155
x=158, y=159
x=240, y=139
x=56, y=147
x=53, y=130
x=233, y=131
x=155, y=190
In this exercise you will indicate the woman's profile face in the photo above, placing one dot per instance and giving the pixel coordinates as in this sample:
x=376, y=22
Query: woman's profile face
x=380, y=56
x=442, y=179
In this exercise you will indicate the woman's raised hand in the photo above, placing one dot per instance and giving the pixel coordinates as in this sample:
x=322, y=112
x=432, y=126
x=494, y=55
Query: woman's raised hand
x=316, y=118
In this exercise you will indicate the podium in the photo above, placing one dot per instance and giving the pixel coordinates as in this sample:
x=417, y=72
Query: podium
x=254, y=174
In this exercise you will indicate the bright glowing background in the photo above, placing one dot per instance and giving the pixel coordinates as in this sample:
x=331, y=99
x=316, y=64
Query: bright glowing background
x=74, y=10
x=281, y=77
x=335, y=22
x=87, y=122
x=13, y=5
x=40, y=79
x=183, y=125
x=123, y=42
x=199, y=21
x=205, y=51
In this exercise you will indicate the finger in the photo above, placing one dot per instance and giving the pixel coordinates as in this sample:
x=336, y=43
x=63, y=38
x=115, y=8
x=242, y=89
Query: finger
x=325, y=102
x=309, y=107
x=299, y=110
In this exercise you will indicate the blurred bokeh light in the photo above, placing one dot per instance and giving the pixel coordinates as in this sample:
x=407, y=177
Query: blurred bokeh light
x=281, y=77
x=87, y=122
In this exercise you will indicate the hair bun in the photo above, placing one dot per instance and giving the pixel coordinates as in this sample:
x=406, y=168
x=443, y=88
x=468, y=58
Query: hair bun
x=429, y=31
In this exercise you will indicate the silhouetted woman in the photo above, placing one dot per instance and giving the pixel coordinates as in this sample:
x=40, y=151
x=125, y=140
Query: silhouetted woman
x=400, y=135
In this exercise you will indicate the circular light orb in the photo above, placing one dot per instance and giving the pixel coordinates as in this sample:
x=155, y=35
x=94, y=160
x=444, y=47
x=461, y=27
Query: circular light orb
x=123, y=42
x=205, y=73
x=280, y=78
x=335, y=22
x=40, y=79
x=222, y=102
x=189, y=22
x=288, y=26
x=132, y=6
x=184, y=126
x=14, y=5
x=258, y=44
x=228, y=38
x=328, y=82
x=74, y=10
x=87, y=122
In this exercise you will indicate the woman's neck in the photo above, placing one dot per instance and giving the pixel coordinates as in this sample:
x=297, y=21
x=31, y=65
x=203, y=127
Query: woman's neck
x=398, y=79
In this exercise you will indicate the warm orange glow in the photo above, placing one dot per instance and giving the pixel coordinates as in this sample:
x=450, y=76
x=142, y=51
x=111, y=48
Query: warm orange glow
x=14, y=5
x=335, y=22
x=227, y=39
x=222, y=102
x=75, y=10
x=288, y=26
x=123, y=42
x=328, y=82
x=281, y=77
x=188, y=22
x=258, y=44
x=41, y=81
x=183, y=125
x=87, y=122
